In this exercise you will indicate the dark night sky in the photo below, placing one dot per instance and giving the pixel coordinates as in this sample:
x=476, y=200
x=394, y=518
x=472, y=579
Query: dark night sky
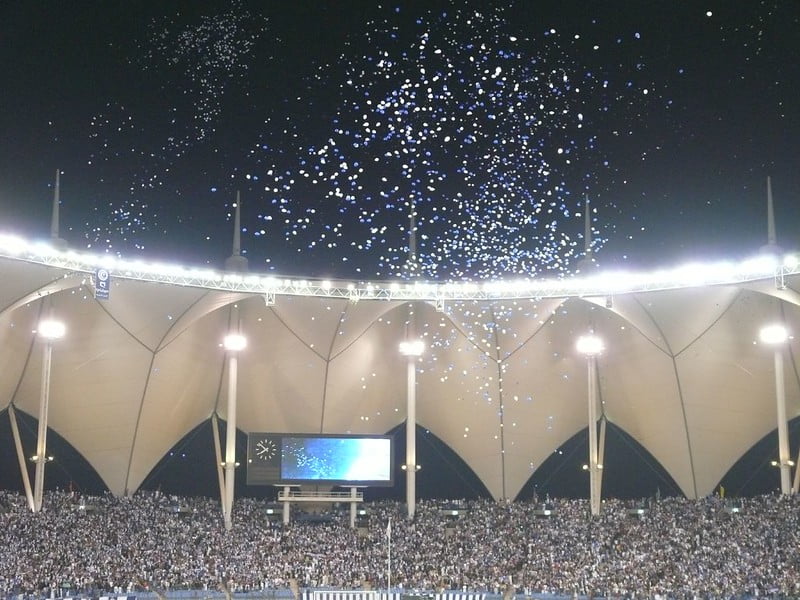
x=332, y=118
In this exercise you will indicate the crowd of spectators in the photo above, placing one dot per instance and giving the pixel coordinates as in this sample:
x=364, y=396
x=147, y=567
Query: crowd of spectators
x=674, y=548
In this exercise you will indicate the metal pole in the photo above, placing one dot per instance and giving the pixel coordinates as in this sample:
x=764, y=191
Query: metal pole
x=230, y=440
x=783, y=433
x=592, y=401
x=218, y=455
x=601, y=463
x=389, y=558
x=23, y=466
x=41, y=439
x=411, y=438
x=353, y=494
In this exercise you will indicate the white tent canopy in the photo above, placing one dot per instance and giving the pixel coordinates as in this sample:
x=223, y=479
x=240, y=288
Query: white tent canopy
x=500, y=381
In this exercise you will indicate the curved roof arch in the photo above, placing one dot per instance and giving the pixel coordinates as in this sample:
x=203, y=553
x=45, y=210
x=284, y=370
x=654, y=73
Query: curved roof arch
x=500, y=381
x=562, y=475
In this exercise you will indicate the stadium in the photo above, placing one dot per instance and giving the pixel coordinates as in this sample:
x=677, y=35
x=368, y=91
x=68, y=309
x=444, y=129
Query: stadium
x=502, y=317
x=122, y=360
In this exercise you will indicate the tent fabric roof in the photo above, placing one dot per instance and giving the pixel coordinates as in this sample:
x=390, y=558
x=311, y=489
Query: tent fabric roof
x=500, y=381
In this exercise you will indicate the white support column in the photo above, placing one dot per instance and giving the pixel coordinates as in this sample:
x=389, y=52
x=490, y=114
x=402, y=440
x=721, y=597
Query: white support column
x=776, y=336
x=23, y=465
x=592, y=402
x=411, y=436
x=286, y=504
x=220, y=463
x=230, y=440
x=389, y=558
x=41, y=438
x=234, y=342
x=783, y=433
x=412, y=349
x=590, y=346
x=601, y=455
x=353, y=504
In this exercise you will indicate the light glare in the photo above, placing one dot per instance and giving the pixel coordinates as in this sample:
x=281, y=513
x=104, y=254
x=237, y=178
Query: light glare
x=412, y=348
x=774, y=334
x=590, y=345
x=50, y=329
x=234, y=342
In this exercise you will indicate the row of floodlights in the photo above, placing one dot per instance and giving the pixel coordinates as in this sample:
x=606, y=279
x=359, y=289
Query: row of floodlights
x=590, y=345
x=694, y=274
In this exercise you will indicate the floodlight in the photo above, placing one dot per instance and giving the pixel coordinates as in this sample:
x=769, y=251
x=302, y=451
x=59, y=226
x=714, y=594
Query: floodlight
x=774, y=334
x=591, y=345
x=50, y=329
x=412, y=348
x=234, y=342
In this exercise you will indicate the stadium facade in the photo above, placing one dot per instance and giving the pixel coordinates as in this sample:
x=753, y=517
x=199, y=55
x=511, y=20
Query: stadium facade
x=682, y=370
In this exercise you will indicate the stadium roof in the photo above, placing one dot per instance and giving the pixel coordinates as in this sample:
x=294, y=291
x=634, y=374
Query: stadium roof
x=501, y=382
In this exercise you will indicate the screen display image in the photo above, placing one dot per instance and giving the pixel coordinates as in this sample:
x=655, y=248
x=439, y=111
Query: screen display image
x=335, y=459
x=295, y=458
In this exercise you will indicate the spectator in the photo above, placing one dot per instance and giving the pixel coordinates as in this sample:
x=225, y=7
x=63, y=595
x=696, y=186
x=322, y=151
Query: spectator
x=676, y=548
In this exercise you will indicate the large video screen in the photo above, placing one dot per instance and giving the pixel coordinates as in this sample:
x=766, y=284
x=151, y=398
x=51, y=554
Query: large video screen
x=327, y=459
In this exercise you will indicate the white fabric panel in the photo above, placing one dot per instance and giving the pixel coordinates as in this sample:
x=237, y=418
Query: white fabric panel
x=543, y=392
x=16, y=341
x=729, y=388
x=638, y=380
x=329, y=325
x=457, y=396
x=281, y=378
x=181, y=391
x=682, y=316
x=500, y=382
x=20, y=279
x=149, y=310
x=96, y=380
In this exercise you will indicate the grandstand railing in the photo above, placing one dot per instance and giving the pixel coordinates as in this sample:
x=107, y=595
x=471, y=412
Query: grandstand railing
x=311, y=496
x=356, y=594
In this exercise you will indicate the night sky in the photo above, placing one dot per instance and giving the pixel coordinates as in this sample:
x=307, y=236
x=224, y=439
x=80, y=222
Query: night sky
x=335, y=120
x=490, y=122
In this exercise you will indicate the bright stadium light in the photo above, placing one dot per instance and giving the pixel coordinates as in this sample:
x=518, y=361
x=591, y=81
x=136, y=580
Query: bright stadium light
x=234, y=342
x=773, y=334
x=51, y=329
x=412, y=347
x=590, y=345
x=600, y=284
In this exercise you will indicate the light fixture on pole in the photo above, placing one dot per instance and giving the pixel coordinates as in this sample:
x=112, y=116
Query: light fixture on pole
x=234, y=343
x=591, y=346
x=412, y=350
x=49, y=330
x=776, y=335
